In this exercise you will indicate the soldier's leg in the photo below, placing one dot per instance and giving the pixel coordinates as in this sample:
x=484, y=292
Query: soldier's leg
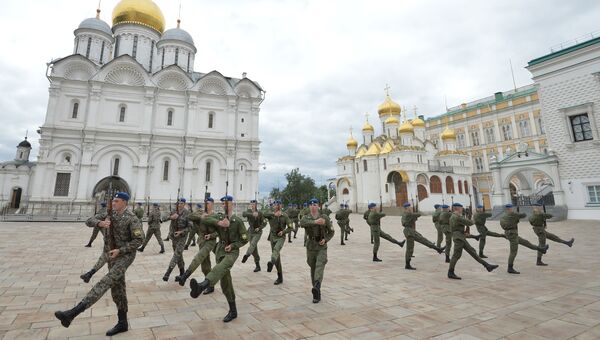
x=311, y=260
x=448, y=244
x=252, y=244
x=116, y=272
x=94, y=235
x=421, y=239
x=555, y=238
x=375, y=235
x=440, y=235
x=342, y=232
x=471, y=251
x=458, y=248
x=387, y=237
x=277, y=245
x=189, y=239
x=410, y=247
x=201, y=256
x=119, y=294
x=159, y=238
x=527, y=244
x=494, y=234
x=178, y=244
x=222, y=268
x=320, y=262
x=254, y=252
x=541, y=234
x=101, y=261
x=206, y=265
x=514, y=248
x=227, y=287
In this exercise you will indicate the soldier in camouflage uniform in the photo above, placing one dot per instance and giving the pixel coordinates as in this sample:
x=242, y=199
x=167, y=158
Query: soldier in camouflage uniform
x=436, y=222
x=319, y=230
x=193, y=233
x=280, y=225
x=96, y=229
x=232, y=236
x=460, y=229
x=178, y=234
x=154, y=220
x=139, y=211
x=510, y=222
x=374, y=220
x=444, y=221
x=325, y=210
x=342, y=218
x=480, y=218
x=538, y=221
x=207, y=241
x=366, y=218
x=257, y=222
x=125, y=235
x=409, y=222
x=293, y=215
x=100, y=215
x=304, y=211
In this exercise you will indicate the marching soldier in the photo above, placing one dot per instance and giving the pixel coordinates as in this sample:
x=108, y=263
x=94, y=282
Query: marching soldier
x=257, y=222
x=319, y=230
x=342, y=218
x=480, y=218
x=348, y=229
x=191, y=240
x=460, y=228
x=97, y=229
x=154, y=220
x=232, y=236
x=509, y=222
x=280, y=225
x=101, y=215
x=366, y=218
x=409, y=221
x=304, y=211
x=207, y=241
x=139, y=211
x=374, y=221
x=538, y=221
x=178, y=234
x=125, y=235
x=293, y=215
x=444, y=221
x=325, y=210
x=436, y=222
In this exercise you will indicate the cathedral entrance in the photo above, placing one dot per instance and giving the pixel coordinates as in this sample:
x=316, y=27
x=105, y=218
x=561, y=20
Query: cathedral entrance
x=15, y=200
x=102, y=187
x=400, y=186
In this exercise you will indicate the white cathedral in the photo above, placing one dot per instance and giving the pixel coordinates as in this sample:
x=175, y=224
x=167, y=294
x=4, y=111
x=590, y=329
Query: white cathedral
x=128, y=103
x=401, y=165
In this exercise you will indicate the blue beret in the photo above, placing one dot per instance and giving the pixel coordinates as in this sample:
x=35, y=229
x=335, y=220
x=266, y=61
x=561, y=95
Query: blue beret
x=313, y=201
x=372, y=205
x=406, y=205
x=277, y=202
x=536, y=205
x=227, y=198
x=253, y=201
x=305, y=204
x=209, y=199
x=457, y=205
x=199, y=205
x=436, y=206
x=182, y=200
x=509, y=205
x=445, y=206
x=103, y=204
x=479, y=206
x=122, y=195
x=155, y=204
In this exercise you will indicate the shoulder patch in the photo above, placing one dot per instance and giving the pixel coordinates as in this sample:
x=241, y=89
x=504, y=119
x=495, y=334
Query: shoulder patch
x=244, y=236
x=137, y=232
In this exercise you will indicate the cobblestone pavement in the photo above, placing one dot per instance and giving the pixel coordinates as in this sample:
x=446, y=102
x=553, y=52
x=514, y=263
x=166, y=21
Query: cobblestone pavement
x=41, y=264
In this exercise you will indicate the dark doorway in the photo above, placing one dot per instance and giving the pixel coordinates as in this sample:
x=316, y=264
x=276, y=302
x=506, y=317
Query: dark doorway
x=15, y=200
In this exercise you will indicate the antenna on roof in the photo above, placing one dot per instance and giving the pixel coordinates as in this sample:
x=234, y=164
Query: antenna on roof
x=446, y=102
x=98, y=9
x=179, y=15
x=513, y=74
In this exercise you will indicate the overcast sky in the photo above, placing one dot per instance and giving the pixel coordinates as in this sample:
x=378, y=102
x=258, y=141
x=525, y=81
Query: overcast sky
x=323, y=63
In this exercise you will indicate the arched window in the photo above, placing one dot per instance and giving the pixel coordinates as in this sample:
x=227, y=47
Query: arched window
x=466, y=187
x=170, y=118
x=242, y=167
x=211, y=120
x=449, y=185
x=116, y=166
x=435, y=185
x=75, y=110
x=208, y=171
x=166, y=170
x=345, y=191
x=122, y=110
x=68, y=159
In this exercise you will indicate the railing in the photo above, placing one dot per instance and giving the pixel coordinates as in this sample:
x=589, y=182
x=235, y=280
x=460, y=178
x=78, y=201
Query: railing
x=440, y=168
x=522, y=200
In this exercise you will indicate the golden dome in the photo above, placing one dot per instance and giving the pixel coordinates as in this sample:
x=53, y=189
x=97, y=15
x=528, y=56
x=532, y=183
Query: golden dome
x=406, y=127
x=448, y=134
x=392, y=120
x=141, y=12
x=352, y=143
x=389, y=107
x=418, y=122
x=368, y=127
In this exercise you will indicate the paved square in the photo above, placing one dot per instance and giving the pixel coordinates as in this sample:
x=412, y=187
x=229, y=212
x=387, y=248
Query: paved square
x=41, y=264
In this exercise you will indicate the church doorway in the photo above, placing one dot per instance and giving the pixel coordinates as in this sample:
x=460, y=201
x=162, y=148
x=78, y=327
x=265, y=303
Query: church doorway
x=15, y=200
x=422, y=192
x=101, y=189
x=400, y=186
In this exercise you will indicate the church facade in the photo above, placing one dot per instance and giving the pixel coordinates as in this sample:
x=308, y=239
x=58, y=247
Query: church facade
x=128, y=103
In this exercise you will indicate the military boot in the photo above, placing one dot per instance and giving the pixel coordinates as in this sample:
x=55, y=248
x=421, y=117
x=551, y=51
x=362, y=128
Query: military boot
x=121, y=326
x=544, y=249
x=408, y=266
x=193, y=242
x=375, y=258
x=570, y=242
x=447, y=258
x=209, y=290
x=89, y=245
x=490, y=267
x=401, y=244
x=539, y=262
x=316, y=292
x=67, y=317
x=482, y=256
x=232, y=312
x=343, y=244
x=511, y=270
x=181, y=273
x=88, y=276
x=440, y=250
x=279, y=279
x=184, y=277
x=245, y=258
x=257, y=268
x=476, y=237
x=167, y=274
x=453, y=276
x=141, y=249
x=270, y=266
x=198, y=288
x=162, y=250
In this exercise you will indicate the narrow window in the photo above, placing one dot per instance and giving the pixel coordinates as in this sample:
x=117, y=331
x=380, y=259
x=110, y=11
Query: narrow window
x=241, y=187
x=176, y=56
x=242, y=120
x=207, y=176
x=117, y=44
x=89, y=46
x=541, y=126
x=243, y=135
x=102, y=53
x=384, y=164
x=581, y=128
x=135, y=43
x=162, y=62
x=188, y=62
x=61, y=187
x=21, y=155
x=116, y=167
x=166, y=171
x=122, y=114
x=170, y=118
x=211, y=120
x=75, y=110
x=151, y=56
x=365, y=165
x=77, y=46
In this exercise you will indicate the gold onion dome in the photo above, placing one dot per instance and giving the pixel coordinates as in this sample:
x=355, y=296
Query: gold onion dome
x=352, y=143
x=389, y=107
x=368, y=127
x=406, y=127
x=418, y=122
x=392, y=120
x=141, y=12
x=448, y=134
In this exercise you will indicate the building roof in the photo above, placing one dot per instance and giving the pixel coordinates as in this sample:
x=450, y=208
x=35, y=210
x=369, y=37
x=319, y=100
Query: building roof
x=17, y=164
x=564, y=51
x=95, y=24
x=178, y=34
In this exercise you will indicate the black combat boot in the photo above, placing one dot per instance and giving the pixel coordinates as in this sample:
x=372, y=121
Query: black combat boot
x=89, y=245
x=67, y=316
x=316, y=292
x=167, y=274
x=408, y=266
x=167, y=239
x=476, y=237
x=279, y=279
x=570, y=242
x=184, y=277
x=539, y=262
x=290, y=238
x=198, y=288
x=193, y=242
x=270, y=266
x=401, y=244
x=185, y=248
x=232, y=312
x=453, y=276
x=447, y=258
x=512, y=270
x=490, y=267
x=245, y=258
x=482, y=256
x=141, y=249
x=375, y=258
x=544, y=249
x=88, y=276
x=342, y=243
x=440, y=250
x=209, y=290
x=121, y=326
x=162, y=250
x=257, y=268
x=181, y=273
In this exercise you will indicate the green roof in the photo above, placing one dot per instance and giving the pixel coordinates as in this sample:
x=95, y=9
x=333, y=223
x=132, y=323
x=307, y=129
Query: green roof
x=564, y=51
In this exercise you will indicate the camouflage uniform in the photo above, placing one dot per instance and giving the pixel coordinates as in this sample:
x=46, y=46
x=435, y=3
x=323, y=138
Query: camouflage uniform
x=139, y=213
x=202, y=257
x=409, y=220
x=257, y=225
x=366, y=218
x=436, y=222
x=538, y=221
x=293, y=215
x=458, y=226
x=343, y=221
x=444, y=221
x=179, y=224
x=509, y=222
x=96, y=229
x=374, y=220
x=277, y=224
x=316, y=254
x=480, y=218
x=154, y=220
